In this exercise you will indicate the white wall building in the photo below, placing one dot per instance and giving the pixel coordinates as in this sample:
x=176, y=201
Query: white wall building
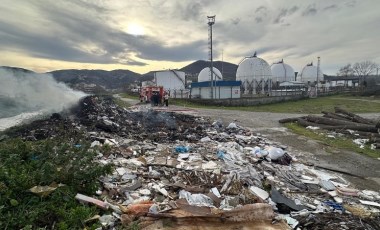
x=173, y=81
x=221, y=89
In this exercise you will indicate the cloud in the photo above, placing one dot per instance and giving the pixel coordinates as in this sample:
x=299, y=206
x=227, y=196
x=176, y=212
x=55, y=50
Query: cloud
x=351, y=3
x=310, y=10
x=192, y=11
x=280, y=16
x=195, y=10
x=293, y=10
x=261, y=13
x=93, y=32
x=331, y=7
x=235, y=21
x=258, y=19
x=283, y=13
x=84, y=37
x=261, y=9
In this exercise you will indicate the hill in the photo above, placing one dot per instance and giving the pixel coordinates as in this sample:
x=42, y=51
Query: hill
x=86, y=79
x=15, y=70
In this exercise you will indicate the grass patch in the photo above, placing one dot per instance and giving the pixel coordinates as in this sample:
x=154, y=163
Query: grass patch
x=354, y=104
x=337, y=142
x=24, y=165
x=306, y=106
x=134, y=96
x=192, y=104
x=121, y=102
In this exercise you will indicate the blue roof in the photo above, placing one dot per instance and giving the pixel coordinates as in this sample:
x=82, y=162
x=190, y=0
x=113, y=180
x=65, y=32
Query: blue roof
x=218, y=83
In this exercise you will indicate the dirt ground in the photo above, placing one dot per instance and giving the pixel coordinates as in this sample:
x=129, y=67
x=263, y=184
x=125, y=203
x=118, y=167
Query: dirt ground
x=366, y=169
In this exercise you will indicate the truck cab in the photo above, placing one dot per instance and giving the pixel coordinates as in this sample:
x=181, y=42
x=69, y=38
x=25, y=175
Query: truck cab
x=152, y=94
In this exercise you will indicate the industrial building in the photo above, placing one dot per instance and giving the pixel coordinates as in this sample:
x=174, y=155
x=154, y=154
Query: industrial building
x=173, y=81
x=221, y=89
x=342, y=81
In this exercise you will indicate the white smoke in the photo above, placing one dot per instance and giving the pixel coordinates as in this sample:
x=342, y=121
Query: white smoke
x=23, y=92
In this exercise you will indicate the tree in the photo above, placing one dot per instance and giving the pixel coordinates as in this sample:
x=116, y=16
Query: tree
x=346, y=70
x=364, y=68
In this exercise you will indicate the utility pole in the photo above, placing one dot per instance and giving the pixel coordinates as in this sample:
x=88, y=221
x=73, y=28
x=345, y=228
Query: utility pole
x=222, y=63
x=211, y=21
x=319, y=63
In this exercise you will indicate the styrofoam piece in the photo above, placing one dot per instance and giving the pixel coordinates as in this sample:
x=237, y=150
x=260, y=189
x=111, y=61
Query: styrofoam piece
x=216, y=192
x=371, y=203
x=121, y=171
x=259, y=192
x=333, y=193
x=338, y=199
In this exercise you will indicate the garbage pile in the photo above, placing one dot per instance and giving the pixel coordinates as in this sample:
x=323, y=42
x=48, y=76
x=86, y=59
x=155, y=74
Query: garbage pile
x=174, y=170
x=98, y=118
x=229, y=176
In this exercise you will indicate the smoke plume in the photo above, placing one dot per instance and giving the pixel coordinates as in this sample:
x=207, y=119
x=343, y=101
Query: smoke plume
x=25, y=92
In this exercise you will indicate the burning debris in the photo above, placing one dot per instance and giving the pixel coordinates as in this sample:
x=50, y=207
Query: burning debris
x=100, y=115
x=185, y=171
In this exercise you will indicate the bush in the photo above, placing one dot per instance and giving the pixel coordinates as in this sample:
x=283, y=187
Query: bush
x=24, y=165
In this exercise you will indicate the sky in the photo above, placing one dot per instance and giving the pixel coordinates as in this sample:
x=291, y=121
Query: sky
x=147, y=35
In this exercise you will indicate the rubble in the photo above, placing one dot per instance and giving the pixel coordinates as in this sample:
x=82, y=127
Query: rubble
x=195, y=172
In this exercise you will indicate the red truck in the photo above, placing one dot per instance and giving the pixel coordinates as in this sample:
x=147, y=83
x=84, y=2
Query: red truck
x=152, y=94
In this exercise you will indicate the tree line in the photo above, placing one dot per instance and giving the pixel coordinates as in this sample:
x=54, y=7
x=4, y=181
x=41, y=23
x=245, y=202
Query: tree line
x=360, y=69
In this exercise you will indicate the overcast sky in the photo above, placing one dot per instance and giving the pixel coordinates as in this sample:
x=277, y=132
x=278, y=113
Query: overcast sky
x=144, y=35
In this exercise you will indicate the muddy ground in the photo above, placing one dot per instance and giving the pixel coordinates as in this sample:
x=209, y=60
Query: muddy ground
x=366, y=169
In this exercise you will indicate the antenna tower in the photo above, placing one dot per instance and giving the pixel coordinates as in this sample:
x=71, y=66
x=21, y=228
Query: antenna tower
x=211, y=21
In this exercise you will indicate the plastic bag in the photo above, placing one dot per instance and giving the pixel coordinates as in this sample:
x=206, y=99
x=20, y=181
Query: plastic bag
x=274, y=153
x=182, y=149
x=196, y=199
x=258, y=152
x=232, y=126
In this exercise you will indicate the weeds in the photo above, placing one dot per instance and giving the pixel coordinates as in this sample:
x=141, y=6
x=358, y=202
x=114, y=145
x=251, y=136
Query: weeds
x=337, y=142
x=304, y=106
x=27, y=164
x=121, y=103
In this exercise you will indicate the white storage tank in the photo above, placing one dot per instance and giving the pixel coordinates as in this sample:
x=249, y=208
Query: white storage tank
x=309, y=74
x=282, y=72
x=205, y=75
x=253, y=68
